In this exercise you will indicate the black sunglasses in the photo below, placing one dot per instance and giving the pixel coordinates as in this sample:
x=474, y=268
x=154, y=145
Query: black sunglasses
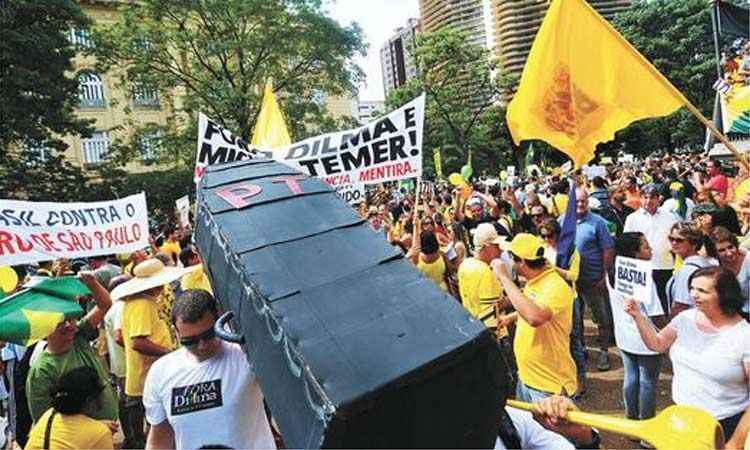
x=192, y=341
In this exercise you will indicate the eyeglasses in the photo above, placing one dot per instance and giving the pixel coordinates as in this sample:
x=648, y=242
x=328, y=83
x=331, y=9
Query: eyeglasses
x=537, y=215
x=676, y=239
x=547, y=236
x=192, y=341
x=427, y=222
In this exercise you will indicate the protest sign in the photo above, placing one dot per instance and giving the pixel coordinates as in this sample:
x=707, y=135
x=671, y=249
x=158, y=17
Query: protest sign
x=594, y=171
x=353, y=194
x=633, y=277
x=511, y=171
x=386, y=149
x=182, y=205
x=42, y=231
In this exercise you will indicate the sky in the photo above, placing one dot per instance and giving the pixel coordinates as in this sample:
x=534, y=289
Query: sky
x=378, y=20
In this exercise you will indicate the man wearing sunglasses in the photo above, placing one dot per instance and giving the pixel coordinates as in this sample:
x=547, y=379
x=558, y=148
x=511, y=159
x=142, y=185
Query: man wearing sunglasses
x=204, y=393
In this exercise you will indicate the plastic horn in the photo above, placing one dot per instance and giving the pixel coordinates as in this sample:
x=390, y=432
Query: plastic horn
x=678, y=426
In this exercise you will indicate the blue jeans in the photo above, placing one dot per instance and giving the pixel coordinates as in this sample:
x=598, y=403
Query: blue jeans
x=639, y=384
x=577, y=347
x=529, y=394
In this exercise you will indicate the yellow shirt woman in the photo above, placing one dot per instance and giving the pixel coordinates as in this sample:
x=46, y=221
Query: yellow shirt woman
x=434, y=271
x=75, y=431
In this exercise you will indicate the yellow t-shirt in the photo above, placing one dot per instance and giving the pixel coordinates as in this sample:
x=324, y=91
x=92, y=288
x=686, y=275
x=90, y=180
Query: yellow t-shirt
x=196, y=280
x=543, y=353
x=171, y=248
x=73, y=432
x=477, y=285
x=434, y=271
x=140, y=317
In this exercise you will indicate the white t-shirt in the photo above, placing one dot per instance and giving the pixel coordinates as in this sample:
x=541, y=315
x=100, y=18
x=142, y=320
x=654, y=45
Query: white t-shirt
x=112, y=322
x=532, y=434
x=708, y=367
x=216, y=401
x=626, y=332
x=656, y=229
x=744, y=278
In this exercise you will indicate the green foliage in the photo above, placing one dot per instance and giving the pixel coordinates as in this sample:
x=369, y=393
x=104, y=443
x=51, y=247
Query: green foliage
x=38, y=94
x=462, y=115
x=50, y=179
x=676, y=36
x=216, y=56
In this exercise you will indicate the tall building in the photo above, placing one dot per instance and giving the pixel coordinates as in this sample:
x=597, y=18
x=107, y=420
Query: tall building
x=397, y=59
x=367, y=111
x=516, y=22
x=464, y=15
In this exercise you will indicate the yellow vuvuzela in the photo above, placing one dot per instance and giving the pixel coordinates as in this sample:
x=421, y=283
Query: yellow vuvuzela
x=583, y=82
x=677, y=427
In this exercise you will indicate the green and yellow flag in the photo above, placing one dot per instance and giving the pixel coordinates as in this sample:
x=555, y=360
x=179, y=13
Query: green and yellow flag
x=583, y=82
x=33, y=313
x=735, y=108
x=270, y=128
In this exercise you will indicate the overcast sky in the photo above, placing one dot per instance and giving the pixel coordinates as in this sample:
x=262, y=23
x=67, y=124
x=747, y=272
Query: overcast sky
x=378, y=19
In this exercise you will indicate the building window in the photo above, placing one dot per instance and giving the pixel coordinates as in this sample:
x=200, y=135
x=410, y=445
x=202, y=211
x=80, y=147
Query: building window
x=145, y=95
x=81, y=38
x=37, y=152
x=95, y=148
x=148, y=145
x=90, y=91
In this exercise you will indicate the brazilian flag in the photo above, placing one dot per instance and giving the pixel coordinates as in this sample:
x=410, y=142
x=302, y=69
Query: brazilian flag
x=35, y=311
x=736, y=110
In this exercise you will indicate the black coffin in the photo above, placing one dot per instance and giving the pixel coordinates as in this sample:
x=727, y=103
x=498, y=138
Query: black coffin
x=352, y=345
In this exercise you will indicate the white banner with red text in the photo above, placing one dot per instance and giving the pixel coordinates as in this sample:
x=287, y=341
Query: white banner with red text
x=43, y=231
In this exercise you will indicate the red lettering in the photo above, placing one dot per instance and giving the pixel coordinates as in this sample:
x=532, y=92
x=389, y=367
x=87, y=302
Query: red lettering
x=237, y=195
x=49, y=243
x=292, y=183
x=136, y=232
x=99, y=237
x=61, y=237
x=6, y=243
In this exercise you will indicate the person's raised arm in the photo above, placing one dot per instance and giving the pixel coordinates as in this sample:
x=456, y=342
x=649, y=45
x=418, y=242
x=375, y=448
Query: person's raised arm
x=657, y=342
x=101, y=298
x=529, y=311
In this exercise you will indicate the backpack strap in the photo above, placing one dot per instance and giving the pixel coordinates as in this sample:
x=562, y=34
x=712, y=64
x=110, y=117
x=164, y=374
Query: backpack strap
x=48, y=429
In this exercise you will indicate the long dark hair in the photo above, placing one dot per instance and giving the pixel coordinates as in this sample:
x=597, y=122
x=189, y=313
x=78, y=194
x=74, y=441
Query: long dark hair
x=626, y=245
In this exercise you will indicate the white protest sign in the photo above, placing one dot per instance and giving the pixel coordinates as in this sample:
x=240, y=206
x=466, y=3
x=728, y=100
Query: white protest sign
x=42, y=231
x=352, y=194
x=386, y=149
x=511, y=171
x=182, y=205
x=633, y=278
x=594, y=171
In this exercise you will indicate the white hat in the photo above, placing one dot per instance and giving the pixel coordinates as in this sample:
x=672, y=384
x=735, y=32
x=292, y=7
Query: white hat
x=486, y=234
x=149, y=274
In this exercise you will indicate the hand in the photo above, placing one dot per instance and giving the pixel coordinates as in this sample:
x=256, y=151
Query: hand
x=499, y=269
x=505, y=320
x=631, y=307
x=552, y=412
x=87, y=277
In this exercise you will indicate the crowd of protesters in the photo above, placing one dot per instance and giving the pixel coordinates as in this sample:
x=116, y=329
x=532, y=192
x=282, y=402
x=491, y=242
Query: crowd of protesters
x=132, y=363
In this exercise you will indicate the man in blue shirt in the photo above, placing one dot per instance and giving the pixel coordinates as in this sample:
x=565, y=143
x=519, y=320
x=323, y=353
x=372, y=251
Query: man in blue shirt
x=596, y=247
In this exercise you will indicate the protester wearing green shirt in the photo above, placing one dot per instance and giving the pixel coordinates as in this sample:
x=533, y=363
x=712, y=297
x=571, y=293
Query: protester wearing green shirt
x=68, y=347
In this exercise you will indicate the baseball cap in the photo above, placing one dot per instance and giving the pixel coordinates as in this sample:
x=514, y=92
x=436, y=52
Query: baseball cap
x=485, y=234
x=526, y=246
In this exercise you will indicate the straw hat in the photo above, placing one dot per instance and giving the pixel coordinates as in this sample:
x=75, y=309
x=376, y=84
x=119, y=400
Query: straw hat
x=148, y=275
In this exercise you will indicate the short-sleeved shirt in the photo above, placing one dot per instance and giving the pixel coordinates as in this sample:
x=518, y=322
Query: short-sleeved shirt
x=678, y=289
x=656, y=229
x=543, y=353
x=75, y=431
x=533, y=435
x=215, y=401
x=592, y=239
x=113, y=322
x=171, y=248
x=709, y=366
x=477, y=285
x=140, y=317
x=196, y=280
x=718, y=183
x=48, y=368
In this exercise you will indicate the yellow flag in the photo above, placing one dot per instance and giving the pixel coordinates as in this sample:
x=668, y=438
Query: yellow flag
x=583, y=82
x=270, y=128
x=438, y=163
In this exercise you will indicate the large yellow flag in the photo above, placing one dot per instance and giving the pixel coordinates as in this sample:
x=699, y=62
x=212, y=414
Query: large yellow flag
x=270, y=128
x=583, y=82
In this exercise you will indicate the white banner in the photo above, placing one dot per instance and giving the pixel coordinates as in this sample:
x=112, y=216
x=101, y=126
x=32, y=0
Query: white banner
x=633, y=277
x=386, y=149
x=42, y=231
x=182, y=205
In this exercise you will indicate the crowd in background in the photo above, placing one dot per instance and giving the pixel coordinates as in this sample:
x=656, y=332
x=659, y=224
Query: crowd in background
x=501, y=247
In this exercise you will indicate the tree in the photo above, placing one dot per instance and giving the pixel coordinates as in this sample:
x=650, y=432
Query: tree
x=677, y=38
x=462, y=112
x=216, y=55
x=39, y=95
